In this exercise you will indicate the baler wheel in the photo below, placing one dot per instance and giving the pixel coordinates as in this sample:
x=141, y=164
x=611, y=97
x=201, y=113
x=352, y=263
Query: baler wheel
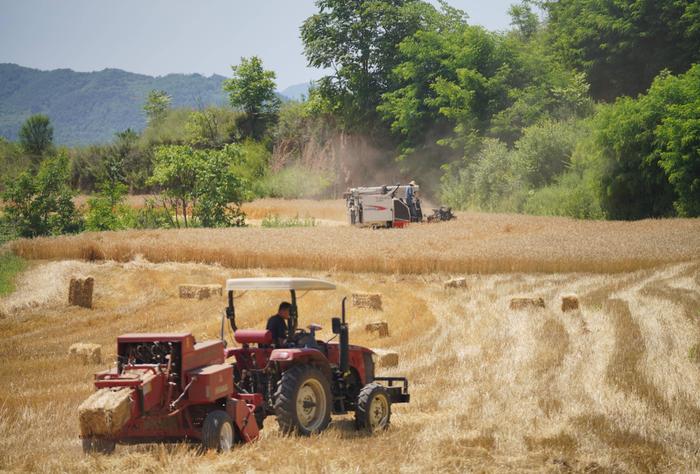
x=218, y=432
x=373, y=412
x=303, y=401
x=98, y=446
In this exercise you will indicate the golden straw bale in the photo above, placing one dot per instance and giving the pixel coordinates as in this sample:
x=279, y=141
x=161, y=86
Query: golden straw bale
x=86, y=352
x=386, y=358
x=526, y=303
x=367, y=300
x=80, y=291
x=199, y=292
x=105, y=412
x=380, y=327
x=569, y=303
x=456, y=283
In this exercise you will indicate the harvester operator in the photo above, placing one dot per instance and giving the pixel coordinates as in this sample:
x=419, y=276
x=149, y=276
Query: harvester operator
x=411, y=201
x=277, y=324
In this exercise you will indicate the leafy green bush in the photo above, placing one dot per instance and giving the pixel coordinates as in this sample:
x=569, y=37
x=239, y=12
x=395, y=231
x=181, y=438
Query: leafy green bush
x=573, y=195
x=212, y=127
x=102, y=214
x=488, y=181
x=153, y=216
x=544, y=151
x=273, y=220
x=170, y=130
x=296, y=182
x=12, y=161
x=249, y=161
x=42, y=204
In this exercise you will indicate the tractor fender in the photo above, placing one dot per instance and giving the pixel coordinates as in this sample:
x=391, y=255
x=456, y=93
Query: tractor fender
x=288, y=357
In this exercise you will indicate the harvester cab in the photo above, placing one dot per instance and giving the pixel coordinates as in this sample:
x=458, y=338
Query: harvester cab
x=384, y=206
x=169, y=387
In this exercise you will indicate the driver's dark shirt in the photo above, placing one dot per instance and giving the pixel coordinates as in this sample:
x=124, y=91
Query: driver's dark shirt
x=278, y=327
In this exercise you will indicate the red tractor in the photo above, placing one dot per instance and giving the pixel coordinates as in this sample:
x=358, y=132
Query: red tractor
x=169, y=387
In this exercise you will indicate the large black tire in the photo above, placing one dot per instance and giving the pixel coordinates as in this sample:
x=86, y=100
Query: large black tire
x=218, y=431
x=303, y=401
x=373, y=410
x=98, y=446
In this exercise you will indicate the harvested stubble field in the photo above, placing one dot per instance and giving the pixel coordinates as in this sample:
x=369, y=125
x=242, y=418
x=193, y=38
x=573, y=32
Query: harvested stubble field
x=475, y=243
x=613, y=387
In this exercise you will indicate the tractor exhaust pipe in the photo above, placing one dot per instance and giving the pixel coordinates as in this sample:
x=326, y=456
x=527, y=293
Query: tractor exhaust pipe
x=344, y=342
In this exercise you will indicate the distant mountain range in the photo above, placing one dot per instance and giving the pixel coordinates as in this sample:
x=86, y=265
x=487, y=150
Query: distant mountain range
x=297, y=91
x=90, y=107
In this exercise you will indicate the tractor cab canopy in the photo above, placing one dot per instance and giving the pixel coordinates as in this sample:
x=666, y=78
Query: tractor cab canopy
x=290, y=284
x=277, y=283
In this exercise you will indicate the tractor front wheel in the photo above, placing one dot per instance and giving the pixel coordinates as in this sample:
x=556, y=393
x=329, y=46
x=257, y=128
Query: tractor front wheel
x=373, y=411
x=303, y=401
x=218, y=432
x=98, y=446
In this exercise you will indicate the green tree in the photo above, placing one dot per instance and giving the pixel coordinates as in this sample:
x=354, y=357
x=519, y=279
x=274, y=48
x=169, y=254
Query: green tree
x=633, y=186
x=199, y=186
x=175, y=172
x=36, y=136
x=359, y=42
x=157, y=105
x=219, y=191
x=678, y=136
x=252, y=90
x=648, y=150
x=524, y=19
x=41, y=203
x=622, y=45
x=452, y=80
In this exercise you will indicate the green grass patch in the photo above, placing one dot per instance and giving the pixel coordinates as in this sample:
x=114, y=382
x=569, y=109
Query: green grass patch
x=276, y=221
x=10, y=266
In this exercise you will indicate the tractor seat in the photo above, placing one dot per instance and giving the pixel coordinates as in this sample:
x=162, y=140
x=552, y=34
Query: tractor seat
x=253, y=336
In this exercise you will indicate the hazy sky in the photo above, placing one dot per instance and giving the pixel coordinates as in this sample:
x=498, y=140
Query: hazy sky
x=157, y=37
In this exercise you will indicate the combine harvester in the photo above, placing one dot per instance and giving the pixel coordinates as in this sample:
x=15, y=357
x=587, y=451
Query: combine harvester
x=389, y=206
x=168, y=387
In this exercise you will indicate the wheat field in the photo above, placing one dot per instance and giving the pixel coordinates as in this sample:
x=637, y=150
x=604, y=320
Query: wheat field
x=613, y=387
x=475, y=243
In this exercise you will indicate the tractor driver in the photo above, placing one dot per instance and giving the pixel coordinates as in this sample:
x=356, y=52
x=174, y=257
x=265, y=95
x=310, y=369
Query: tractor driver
x=277, y=324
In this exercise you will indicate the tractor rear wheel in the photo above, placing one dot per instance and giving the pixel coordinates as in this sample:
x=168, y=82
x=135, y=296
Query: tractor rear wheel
x=218, y=432
x=303, y=401
x=373, y=411
x=98, y=446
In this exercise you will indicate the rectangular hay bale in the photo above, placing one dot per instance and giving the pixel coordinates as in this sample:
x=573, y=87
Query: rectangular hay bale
x=386, y=358
x=86, y=352
x=80, y=292
x=456, y=283
x=199, y=292
x=367, y=300
x=526, y=303
x=105, y=412
x=380, y=327
x=569, y=303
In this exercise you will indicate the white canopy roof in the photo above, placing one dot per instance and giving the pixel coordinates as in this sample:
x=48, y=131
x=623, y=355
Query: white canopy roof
x=277, y=283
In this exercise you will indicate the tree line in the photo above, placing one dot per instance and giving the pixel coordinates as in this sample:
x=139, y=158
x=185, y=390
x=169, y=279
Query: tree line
x=582, y=108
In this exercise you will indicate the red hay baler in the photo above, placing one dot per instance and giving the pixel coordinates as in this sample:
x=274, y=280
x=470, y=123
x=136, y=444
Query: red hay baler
x=168, y=387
